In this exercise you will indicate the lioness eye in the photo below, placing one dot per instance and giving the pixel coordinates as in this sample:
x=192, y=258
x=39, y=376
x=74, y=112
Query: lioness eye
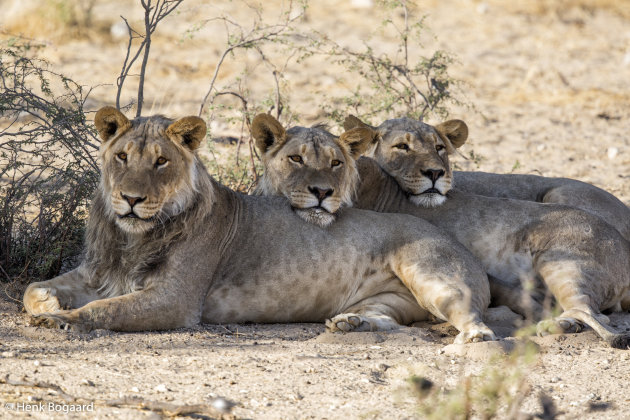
x=335, y=162
x=296, y=158
x=161, y=161
x=439, y=147
x=122, y=156
x=402, y=146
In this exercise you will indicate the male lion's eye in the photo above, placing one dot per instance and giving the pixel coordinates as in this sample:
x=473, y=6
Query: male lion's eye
x=335, y=162
x=402, y=146
x=296, y=158
x=122, y=156
x=161, y=161
x=439, y=147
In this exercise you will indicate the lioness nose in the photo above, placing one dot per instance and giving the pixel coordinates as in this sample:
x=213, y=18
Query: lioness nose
x=133, y=200
x=433, y=174
x=320, y=193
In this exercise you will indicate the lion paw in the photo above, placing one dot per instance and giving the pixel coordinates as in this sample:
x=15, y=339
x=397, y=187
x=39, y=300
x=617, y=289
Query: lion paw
x=558, y=326
x=346, y=323
x=66, y=320
x=372, y=321
x=475, y=336
x=41, y=300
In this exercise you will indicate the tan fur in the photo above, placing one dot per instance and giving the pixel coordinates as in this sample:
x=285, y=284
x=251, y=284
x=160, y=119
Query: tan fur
x=302, y=162
x=199, y=252
x=581, y=260
x=541, y=189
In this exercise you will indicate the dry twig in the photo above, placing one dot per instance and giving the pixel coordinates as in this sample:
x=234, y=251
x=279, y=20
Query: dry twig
x=153, y=15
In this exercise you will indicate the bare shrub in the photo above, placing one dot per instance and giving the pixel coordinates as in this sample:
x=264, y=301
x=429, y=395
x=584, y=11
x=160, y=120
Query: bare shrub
x=233, y=102
x=48, y=168
x=390, y=84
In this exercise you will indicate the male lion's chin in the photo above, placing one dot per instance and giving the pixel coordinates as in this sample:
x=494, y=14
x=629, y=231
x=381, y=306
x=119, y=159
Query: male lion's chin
x=427, y=199
x=134, y=226
x=317, y=216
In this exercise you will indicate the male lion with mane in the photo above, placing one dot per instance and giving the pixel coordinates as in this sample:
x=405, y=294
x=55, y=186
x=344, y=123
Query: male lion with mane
x=168, y=247
x=583, y=261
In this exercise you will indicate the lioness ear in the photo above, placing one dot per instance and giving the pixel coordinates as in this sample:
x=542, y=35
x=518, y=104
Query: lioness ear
x=358, y=140
x=266, y=130
x=353, y=122
x=188, y=131
x=456, y=131
x=109, y=121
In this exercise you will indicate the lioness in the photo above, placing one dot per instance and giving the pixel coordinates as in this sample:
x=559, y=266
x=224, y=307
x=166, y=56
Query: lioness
x=168, y=247
x=580, y=259
x=567, y=191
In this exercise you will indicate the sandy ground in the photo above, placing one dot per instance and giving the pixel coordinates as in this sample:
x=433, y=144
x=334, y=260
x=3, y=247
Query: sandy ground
x=551, y=91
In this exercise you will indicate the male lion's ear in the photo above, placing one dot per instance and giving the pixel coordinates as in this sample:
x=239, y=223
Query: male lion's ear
x=353, y=122
x=109, y=121
x=358, y=140
x=266, y=130
x=188, y=131
x=456, y=131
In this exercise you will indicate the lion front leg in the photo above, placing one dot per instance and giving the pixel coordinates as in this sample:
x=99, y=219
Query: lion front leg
x=449, y=298
x=69, y=290
x=148, y=309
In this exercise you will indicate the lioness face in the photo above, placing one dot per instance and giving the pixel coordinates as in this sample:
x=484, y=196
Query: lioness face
x=313, y=168
x=416, y=155
x=148, y=167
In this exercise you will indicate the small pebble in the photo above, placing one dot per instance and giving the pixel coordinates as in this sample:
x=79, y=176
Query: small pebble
x=161, y=388
x=612, y=152
x=362, y=4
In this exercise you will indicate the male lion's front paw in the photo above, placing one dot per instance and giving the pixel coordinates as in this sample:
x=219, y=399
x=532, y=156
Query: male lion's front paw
x=39, y=300
x=558, y=325
x=475, y=336
x=346, y=323
x=67, y=320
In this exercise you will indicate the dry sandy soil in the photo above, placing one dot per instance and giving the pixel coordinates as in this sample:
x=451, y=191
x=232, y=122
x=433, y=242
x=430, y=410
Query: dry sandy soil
x=551, y=90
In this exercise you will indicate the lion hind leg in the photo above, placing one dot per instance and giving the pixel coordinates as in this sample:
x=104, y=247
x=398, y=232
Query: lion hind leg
x=572, y=320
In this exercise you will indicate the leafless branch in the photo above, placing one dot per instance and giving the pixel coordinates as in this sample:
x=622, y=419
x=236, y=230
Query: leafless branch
x=257, y=35
x=154, y=13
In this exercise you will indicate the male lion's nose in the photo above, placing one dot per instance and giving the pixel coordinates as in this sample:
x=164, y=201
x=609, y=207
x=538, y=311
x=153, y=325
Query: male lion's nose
x=320, y=193
x=433, y=174
x=133, y=200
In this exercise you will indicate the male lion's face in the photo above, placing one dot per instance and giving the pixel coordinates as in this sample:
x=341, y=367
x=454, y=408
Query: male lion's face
x=148, y=167
x=416, y=155
x=314, y=169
